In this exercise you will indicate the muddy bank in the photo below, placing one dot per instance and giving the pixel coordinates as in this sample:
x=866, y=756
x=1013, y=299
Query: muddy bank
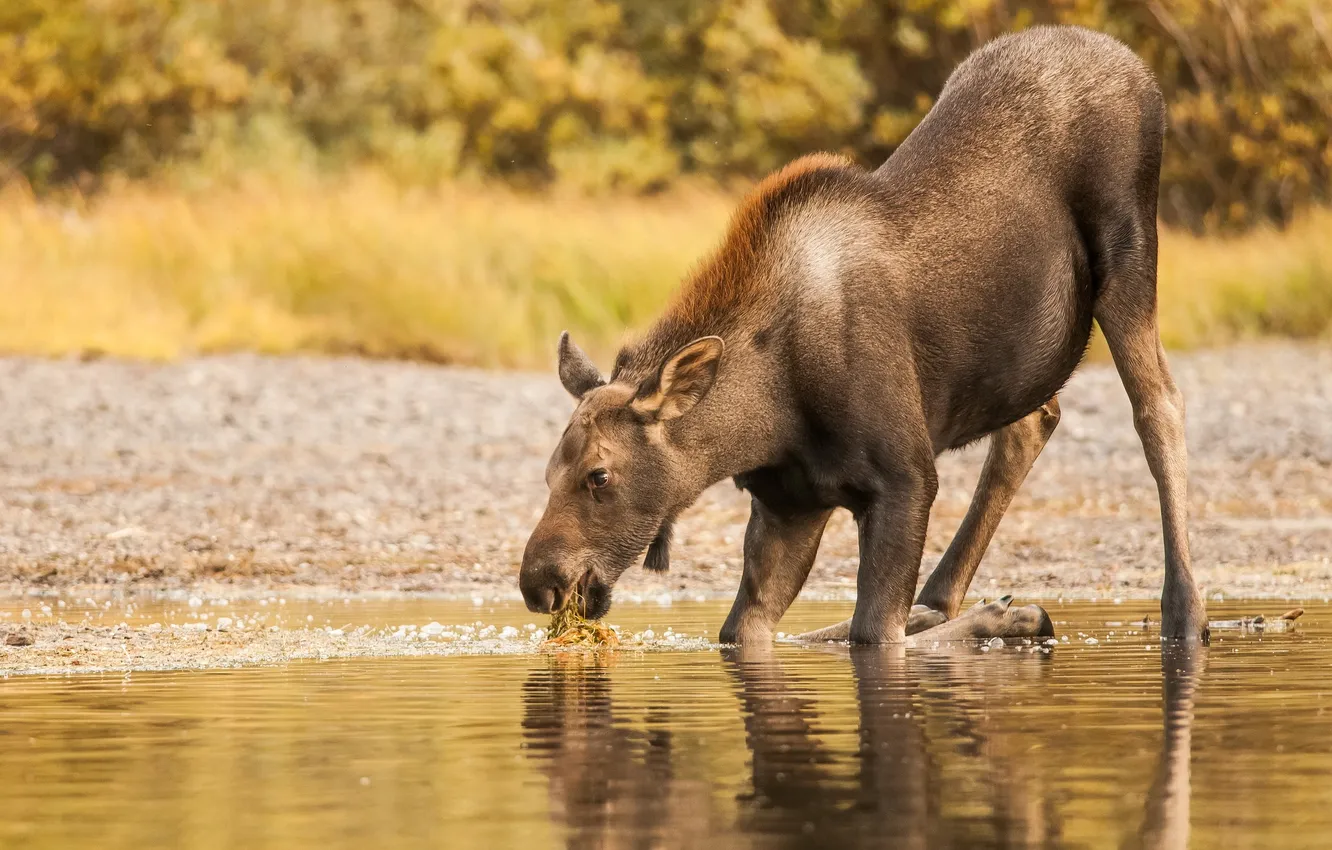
x=342, y=475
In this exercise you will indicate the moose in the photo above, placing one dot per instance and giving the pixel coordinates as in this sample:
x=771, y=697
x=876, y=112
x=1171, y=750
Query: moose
x=853, y=325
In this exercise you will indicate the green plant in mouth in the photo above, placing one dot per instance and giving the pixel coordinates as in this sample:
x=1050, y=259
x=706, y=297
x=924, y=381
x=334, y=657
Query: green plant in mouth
x=569, y=628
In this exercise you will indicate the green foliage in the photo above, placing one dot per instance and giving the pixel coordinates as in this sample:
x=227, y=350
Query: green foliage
x=623, y=94
x=1249, y=84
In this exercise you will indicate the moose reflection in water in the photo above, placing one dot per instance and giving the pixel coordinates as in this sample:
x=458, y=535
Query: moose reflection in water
x=611, y=784
x=931, y=766
x=1166, y=824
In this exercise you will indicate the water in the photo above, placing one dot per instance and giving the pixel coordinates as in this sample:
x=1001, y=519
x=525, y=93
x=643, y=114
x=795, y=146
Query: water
x=1087, y=745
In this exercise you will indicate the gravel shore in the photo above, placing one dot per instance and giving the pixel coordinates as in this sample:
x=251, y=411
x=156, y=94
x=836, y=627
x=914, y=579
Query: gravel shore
x=354, y=476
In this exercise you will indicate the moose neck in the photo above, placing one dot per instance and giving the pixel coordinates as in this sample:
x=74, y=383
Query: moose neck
x=736, y=428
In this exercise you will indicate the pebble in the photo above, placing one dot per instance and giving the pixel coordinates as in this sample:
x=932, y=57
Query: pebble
x=503, y=426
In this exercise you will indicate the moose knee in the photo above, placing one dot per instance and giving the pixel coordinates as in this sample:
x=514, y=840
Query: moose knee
x=1161, y=412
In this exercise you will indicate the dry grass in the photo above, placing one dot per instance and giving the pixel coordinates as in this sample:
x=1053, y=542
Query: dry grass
x=470, y=275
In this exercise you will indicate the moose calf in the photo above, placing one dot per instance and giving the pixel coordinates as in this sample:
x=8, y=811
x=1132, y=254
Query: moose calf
x=855, y=324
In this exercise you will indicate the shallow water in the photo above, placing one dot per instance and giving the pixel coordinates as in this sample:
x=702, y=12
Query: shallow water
x=1084, y=745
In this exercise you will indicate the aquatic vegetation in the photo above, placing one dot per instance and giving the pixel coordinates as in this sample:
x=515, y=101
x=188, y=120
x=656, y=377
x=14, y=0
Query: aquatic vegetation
x=569, y=629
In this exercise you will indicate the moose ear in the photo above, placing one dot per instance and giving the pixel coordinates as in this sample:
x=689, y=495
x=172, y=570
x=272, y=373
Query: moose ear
x=576, y=371
x=686, y=377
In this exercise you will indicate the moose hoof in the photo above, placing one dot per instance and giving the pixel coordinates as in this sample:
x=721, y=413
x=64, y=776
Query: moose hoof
x=745, y=634
x=924, y=617
x=1184, y=617
x=998, y=619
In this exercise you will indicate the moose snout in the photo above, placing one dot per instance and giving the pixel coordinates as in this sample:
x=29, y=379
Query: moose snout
x=545, y=580
x=544, y=589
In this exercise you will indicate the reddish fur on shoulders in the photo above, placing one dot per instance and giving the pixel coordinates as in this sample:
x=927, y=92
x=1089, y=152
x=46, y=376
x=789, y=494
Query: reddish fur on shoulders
x=727, y=278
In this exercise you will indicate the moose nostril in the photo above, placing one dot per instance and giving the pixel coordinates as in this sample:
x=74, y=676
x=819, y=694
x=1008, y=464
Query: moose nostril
x=538, y=600
x=543, y=589
x=557, y=602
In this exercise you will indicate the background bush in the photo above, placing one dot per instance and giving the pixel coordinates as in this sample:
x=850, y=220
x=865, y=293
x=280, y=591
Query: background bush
x=626, y=95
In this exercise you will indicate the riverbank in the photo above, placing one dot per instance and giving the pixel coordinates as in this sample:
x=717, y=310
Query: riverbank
x=245, y=474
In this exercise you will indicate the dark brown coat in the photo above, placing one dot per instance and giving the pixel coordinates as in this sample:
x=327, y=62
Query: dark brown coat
x=855, y=324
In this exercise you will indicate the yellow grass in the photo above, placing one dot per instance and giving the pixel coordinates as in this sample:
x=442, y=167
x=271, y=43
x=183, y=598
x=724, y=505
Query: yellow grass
x=471, y=275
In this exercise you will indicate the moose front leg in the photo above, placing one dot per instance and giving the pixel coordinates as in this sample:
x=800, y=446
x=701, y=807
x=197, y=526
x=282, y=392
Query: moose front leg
x=779, y=552
x=892, y=540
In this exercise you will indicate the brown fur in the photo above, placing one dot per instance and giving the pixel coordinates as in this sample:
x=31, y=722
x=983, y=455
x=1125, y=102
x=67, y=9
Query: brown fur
x=854, y=324
x=725, y=283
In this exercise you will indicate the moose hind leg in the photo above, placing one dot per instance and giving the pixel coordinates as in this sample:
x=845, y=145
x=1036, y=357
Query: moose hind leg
x=1125, y=309
x=779, y=552
x=920, y=619
x=1013, y=450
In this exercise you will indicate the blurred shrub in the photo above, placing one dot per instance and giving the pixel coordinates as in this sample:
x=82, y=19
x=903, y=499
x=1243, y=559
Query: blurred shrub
x=623, y=94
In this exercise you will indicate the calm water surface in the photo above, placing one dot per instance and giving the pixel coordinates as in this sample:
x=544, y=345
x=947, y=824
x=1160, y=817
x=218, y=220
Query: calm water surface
x=1109, y=744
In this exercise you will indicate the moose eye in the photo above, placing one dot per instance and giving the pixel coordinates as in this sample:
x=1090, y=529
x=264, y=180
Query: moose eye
x=598, y=478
